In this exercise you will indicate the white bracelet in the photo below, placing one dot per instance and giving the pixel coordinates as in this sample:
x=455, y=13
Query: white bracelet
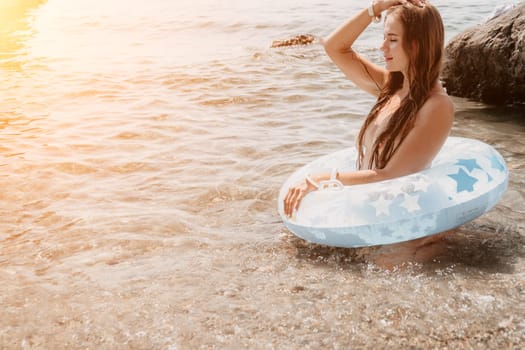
x=334, y=174
x=371, y=13
x=333, y=183
x=311, y=181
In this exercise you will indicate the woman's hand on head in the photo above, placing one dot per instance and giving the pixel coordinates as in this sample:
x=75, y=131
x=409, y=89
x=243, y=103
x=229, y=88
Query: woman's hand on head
x=295, y=195
x=383, y=5
x=417, y=2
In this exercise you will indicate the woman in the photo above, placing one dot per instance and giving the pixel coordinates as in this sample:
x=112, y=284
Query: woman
x=412, y=116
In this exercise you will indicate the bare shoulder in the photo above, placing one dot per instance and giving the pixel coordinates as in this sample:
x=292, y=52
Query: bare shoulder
x=438, y=109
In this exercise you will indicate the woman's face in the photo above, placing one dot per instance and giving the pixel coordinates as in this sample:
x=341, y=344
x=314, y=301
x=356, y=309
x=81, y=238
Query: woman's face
x=395, y=57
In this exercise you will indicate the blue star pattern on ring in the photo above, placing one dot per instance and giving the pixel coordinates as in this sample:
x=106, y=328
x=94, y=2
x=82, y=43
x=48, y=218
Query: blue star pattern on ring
x=470, y=164
x=496, y=164
x=466, y=179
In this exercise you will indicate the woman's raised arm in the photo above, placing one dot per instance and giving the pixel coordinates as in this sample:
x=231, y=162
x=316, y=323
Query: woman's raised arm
x=338, y=45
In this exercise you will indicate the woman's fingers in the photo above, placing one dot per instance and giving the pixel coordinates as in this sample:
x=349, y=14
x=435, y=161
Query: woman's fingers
x=292, y=200
x=288, y=202
x=298, y=199
x=295, y=194
x=384, y=5
x=419, y=3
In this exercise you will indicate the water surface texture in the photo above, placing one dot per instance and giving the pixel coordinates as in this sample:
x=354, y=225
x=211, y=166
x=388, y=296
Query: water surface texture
x=142, y=148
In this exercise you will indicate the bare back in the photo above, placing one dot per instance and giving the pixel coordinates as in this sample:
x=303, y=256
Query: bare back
x=431, y=128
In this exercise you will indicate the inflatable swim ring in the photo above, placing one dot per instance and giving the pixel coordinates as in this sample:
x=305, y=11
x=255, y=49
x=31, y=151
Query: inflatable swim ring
x=465, y=180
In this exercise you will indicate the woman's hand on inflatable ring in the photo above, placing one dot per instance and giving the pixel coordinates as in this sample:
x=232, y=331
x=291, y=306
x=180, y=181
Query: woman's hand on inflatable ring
x=295, y=194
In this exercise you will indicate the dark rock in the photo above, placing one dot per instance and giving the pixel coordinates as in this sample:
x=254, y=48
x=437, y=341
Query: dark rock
x=487, y=63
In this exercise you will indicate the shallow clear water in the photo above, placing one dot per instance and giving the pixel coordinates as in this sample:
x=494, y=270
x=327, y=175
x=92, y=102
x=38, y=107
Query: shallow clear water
x=142, y=148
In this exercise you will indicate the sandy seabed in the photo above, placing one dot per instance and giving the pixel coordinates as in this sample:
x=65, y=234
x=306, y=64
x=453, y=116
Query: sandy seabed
x=275, y=294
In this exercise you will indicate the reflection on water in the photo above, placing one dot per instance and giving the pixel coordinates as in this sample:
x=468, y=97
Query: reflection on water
x=14, y=29
x=139, y=181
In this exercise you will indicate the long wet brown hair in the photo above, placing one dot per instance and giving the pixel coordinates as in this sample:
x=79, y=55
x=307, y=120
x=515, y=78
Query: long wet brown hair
x=423, y=41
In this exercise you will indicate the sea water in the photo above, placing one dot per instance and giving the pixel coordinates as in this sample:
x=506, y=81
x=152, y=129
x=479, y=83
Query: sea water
x=142, y=148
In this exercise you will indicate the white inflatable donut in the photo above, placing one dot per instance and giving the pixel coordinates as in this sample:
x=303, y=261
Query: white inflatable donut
x=466, y=179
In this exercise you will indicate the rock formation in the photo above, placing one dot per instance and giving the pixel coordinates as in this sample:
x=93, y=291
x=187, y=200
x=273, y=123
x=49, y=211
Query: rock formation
x=487, y=63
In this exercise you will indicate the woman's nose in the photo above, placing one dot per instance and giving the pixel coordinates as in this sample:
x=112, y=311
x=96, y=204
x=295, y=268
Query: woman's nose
x=383, y=46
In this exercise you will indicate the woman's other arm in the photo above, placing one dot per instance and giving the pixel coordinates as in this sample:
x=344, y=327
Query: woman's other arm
x=418, y=149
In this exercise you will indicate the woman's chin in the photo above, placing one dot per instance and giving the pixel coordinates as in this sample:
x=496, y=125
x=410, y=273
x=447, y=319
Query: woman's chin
x=392, y=69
